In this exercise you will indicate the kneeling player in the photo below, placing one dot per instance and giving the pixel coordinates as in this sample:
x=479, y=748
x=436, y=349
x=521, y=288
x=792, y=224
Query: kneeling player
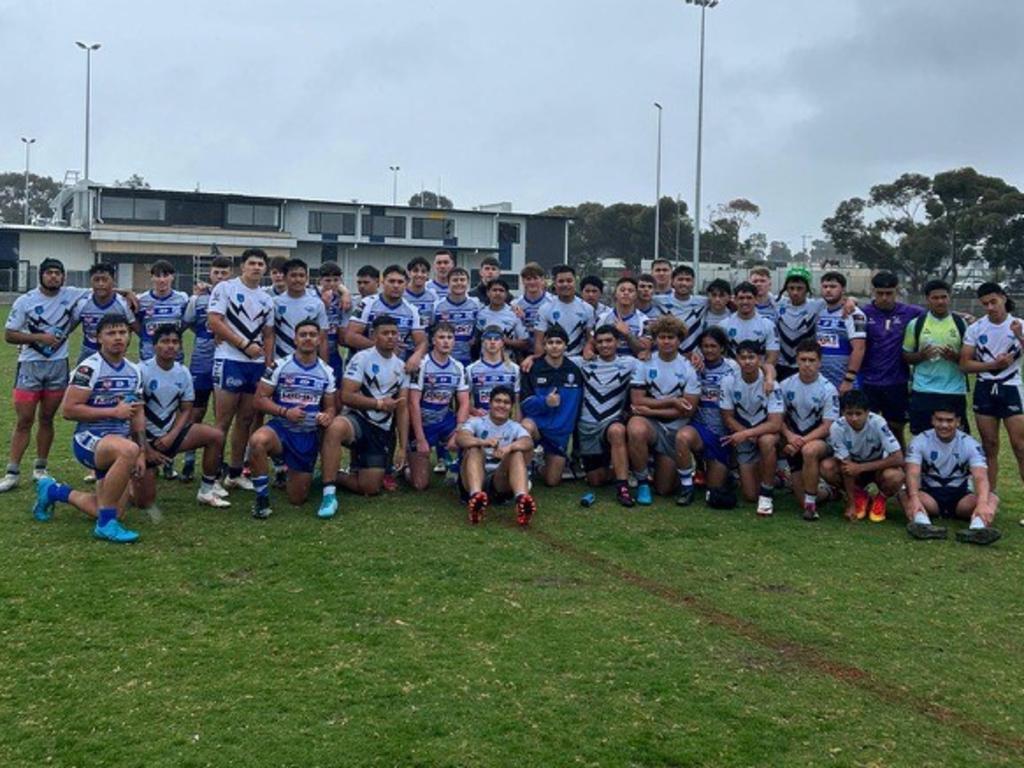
x=168, y=394
x=752, y=410
x=298, y=393
x=104, y=399
x=940, y=463
x=866, y=451
x=495, y=452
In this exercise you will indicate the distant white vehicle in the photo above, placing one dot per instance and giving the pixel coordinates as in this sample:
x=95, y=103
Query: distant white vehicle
x=968, y=284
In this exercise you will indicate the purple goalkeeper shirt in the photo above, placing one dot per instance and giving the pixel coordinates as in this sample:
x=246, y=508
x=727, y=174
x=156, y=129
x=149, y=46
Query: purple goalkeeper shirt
x=883, y=359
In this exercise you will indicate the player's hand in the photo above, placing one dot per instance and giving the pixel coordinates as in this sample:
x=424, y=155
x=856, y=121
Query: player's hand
x=790, y=450
x=850, y=468
x=1015, y=327
x=140, y=464
x=731, y=440
x=640, y=410
x=1002, y=361
x=422, y=446
x=553, y=400
x=124, y=411
x=154, y=454
x=697, y=362
x=253, y=350
x=949, y=353
x=845, y=387
x=985, y=510
x=346, y=302
x=48, y=340
x=199, y=288
x=324, y=419
x=519, y=311
x=490, y=442
x=527, y=364
x=399, y=461
x=412, y=365
x=683, y=405
x=622, y=327
x=498, y=452
x=390, y=404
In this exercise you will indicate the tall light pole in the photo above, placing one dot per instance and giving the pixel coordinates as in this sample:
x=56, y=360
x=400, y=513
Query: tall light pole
x=394, y=183
x=88, y=48
x=657, y=192
x=28, y=147
x=704, y=5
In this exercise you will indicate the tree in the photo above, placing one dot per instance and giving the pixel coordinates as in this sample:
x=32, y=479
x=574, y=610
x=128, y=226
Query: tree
x=428, y=199
x=779, y=253
x=756, y=247
x=135, y=181
x=42, y=189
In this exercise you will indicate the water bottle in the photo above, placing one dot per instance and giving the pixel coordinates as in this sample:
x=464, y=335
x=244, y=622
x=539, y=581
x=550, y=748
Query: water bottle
x=587, y=500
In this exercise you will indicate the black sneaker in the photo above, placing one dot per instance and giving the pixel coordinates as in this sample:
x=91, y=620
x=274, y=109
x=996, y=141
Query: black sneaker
x=925, y=531
x=685, y=497
x=169, y=472
x=261, y=509
x=188, y=472
x=810, y=512
x=980, y=536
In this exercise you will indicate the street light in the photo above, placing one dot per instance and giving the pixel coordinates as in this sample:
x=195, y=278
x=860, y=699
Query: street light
x=394, y=183
x=28, y=147
x=657, y=193
x=88, y=48
x=704, y=5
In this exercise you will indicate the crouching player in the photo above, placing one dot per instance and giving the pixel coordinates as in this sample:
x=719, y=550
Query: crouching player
x=601, y=431
x=941, y=462
x=866, y=451
x=168, y=395
x=495, y=451
x=104, y=398
x=298, y=393
x=812, y=405
x=440, y=384
x=752, y=411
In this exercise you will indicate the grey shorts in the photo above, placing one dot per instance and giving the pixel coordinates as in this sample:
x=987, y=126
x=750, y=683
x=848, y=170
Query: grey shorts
x=747, y=452
x=42, y=376
x=590, y=439
x=665, y=437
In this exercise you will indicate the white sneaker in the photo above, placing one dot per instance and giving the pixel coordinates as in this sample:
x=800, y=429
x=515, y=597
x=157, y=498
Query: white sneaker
x=90, y=478
x=38, y=474
x=10, y=481
x=218, y=490
x=241, y=482
x=440, y=468
x=765, y=506
x=211, y=499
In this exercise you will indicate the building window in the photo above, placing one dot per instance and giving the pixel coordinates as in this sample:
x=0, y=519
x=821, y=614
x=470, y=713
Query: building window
x=149, y=209
x=433, y=229
x=383, y=226
x=246, y=215
x=115, y=208
x=332, y=223
x=508, y=232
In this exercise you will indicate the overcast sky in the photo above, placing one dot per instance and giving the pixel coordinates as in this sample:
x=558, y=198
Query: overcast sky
x=538, y=102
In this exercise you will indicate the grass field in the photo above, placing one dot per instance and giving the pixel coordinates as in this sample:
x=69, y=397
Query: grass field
x=398, y=635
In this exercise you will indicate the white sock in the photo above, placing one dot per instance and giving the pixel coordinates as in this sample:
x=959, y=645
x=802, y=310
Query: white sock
x=921, y=518
x=977, y=522
x=329, y=490
x=810, y=500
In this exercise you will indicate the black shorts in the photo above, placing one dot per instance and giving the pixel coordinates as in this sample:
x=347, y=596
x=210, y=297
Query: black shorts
x=1000, y=401
x=891, y=401
x=371, y=448
x=173, y=449
x=924, y=404
x=947, y=498
x=493, y=495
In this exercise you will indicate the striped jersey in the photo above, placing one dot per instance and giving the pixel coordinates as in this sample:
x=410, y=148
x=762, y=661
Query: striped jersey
x=795, y=324
x=747, y=399
x=667, y=380
x=299, y=385
x=873, y=442
x=506, y=319
x=438, y=289
x=531, y=308
x=155, y=311
x=770, y=310
x=945, y=464
x=109, y=385
x=462, y=316
x=690, y=310
x=709, y=409
x=835, y=336
x=35, y=312
x=757, y=329
x=163, y=392
x=404, y=313
x=438, y=385
x=484, y=376
x=990, y=340
x=808, y=405
x=337, y=319
x=247, y=311
x=378, y=377
x=606, y=385
x=88, y=313
x=289, y=311
x=636, y=320
x=576, y=318
x=424, y=303
x=195, y=319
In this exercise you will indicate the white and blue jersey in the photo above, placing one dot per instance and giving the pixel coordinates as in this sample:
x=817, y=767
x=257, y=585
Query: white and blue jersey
x=35, y=312
x=462, y=317
x=88, y=312
x=289, y=311
x=379, y=378
x=484, y=376
x=439, y=385
x=795, y=324
x=247, y=312
x=667, y=380
x=531, y=308
x=757, y=329
x=424, y=303
x=747, y=399
x=709, y=411
x=835, y=336
x=990, y=340
x=108, y=385
x=635, y=320
x=438, y=289
x=945, y=464
x=200, y=365
x=606, y=385
x=873, y=442
x=506, y=319
x=297, y=385
x=769, y=311
x=690, y=310
x=483, y=428
x=402, y=312
x=808, y=405
x=163, y=392
x=576, y=318
x=155, y=311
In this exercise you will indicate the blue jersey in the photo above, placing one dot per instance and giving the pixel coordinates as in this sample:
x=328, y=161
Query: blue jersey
x=438, y=385
x=195, y=319
x=337, y=319
x=484, y=376
x=108, y=385
x=404, y=313
x=438, y=289
x=576, y=318
x=163, y=392
x=543, y=378
x=462, y=316
x=424, y=303
x=155, y=311
x=835, y=336
x=289, y=311
x=709, y=410
x=299, y=385
x=88, y=313
x=531, y=308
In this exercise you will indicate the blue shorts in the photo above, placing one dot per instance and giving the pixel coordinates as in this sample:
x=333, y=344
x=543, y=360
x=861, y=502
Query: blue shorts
x=299, y=449
x=1000, y=401
x=84, y=445
x=713, y=448
x=555, y=445
x=437, y=434
x=237, y=377
x=338, y=368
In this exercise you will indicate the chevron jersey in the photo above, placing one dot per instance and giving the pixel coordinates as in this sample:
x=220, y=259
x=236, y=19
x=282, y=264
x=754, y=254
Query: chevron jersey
x=807, y=405
x=690, y=310
x=483, y=428
x=35, y=312
x=404, y=314
x=484, y=376
x=89, y=313
x=195, y=318
x=155, y=311
x=576, y=318
x=769, y=311
x=636, y=320
x=438, y=384
x=835, y=334
x=298, y=385
x=439, y=290
x=163, y=392
x=795, y=324
x=757, y=329
x=378, y=377
x=424, y=303
x=462, y=316
x=109, y=385
x=606, y=386
x=337, y=319
x=288, y=313
x=711, y=319
x=531, y=308
x=708, y=411
x=506, y=319
x=747, y=399
x=247, y=311
x=990, y=340
x=945, y=465
x=666, y=380
x=874, y=441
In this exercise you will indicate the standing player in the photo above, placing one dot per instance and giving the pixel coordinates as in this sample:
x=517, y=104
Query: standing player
x=104, y=399
x=761, y=278
x=682, y=304
x=490, y=270
x=941, y=464
x=295, y=305
x=866, y=451
x=492, y=370
x=417, y=293
x=167, y=395
x=664, y=393
x=241, y=316
x=161, y=305
x=601, y=430
x=277, y=282
x=443, y=264
x=499, y=314
x=719, y=295
x=645, y=296
x=438, y=403
x=460, y=311
x=367, y=281
x=297, y=391
x=797, y=319
x=630, y=323
x=841, y=334
x=569, y=312
x=390, y=302
x=90, y=309
x=337, y=316
x=494, y=457
x=746, y=324
x=40, y=322
x=375, y=392
x=535, y=296
x=664, y=277
x=992, y=350
x=812, y=406
x=752, y=410
x=592, y=291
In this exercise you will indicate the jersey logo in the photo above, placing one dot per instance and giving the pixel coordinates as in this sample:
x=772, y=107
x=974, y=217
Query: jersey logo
x=375, y=368
x=153, y=385
x=556, y=314
x=791, y=396
x=732, y=331
x=983, y=338
x=934, y=455
x=240, y=298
